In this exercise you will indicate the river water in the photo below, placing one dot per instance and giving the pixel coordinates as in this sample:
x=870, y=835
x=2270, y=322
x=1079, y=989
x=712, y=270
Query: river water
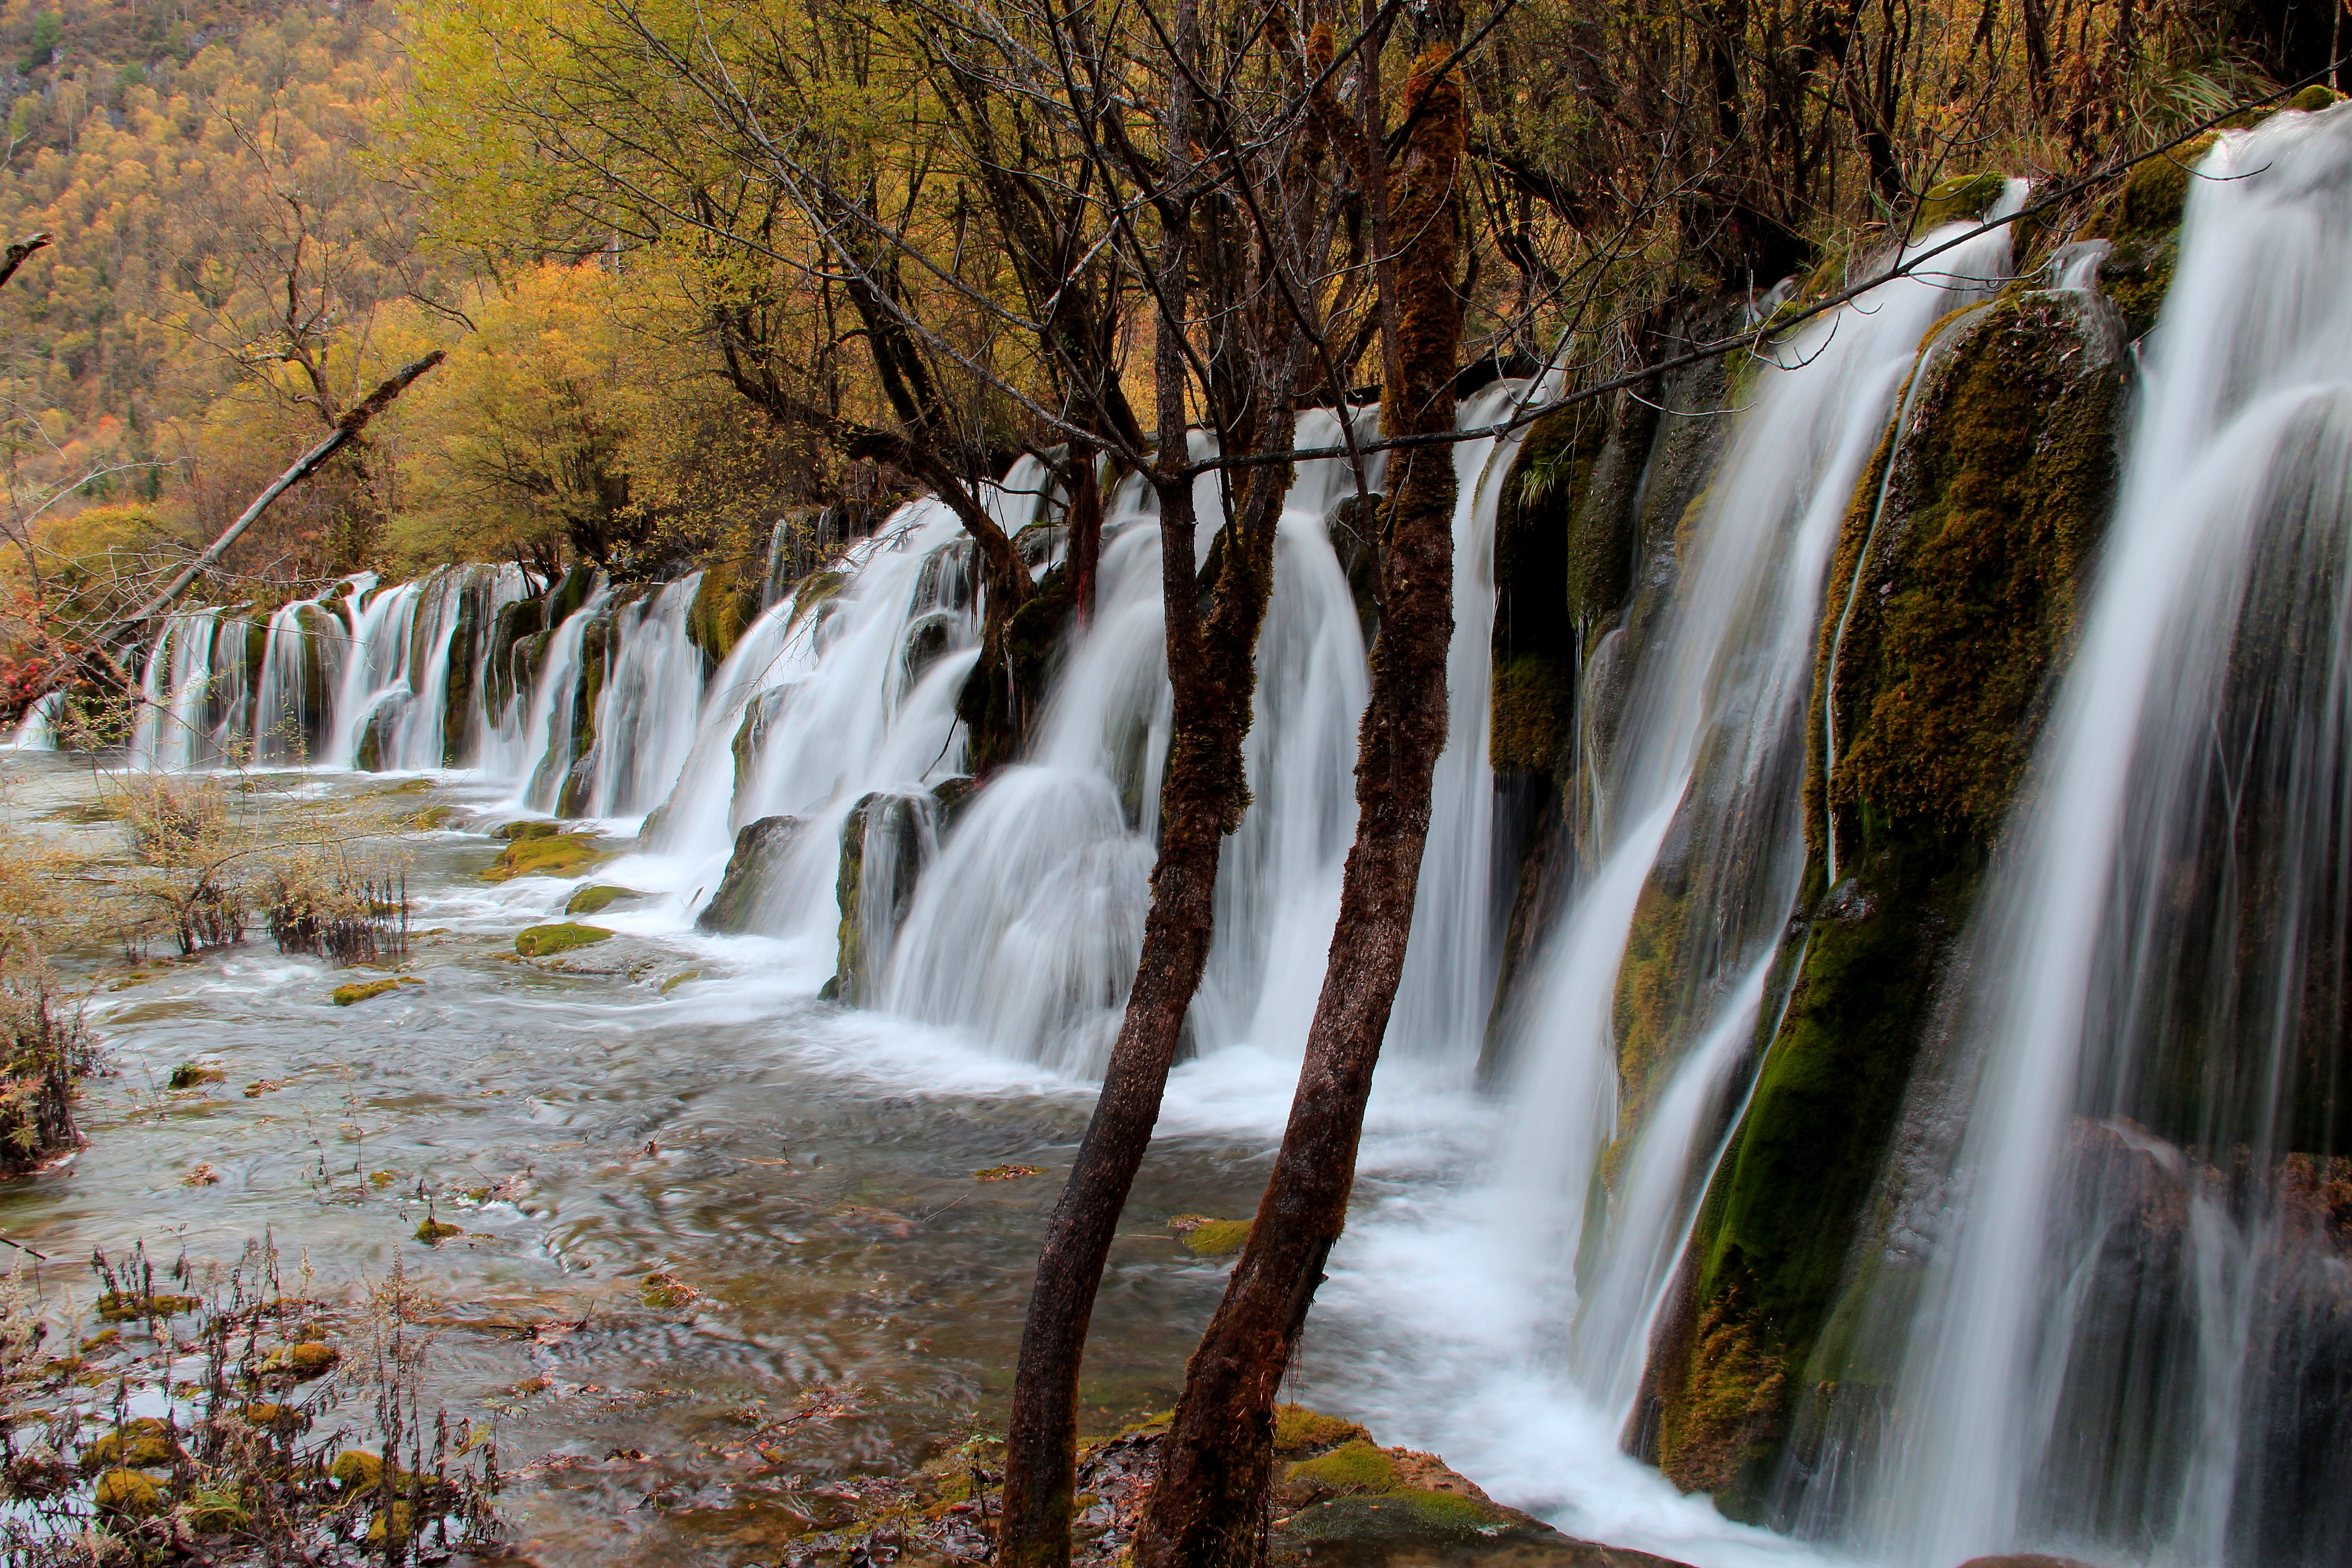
x=675, y=1102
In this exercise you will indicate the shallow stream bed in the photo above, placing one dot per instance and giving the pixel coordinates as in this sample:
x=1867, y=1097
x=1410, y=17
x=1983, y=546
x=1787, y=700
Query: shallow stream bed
x=838, y=1292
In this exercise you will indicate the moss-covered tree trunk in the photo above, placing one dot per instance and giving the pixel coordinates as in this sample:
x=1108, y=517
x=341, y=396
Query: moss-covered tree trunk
x=1209, y=1502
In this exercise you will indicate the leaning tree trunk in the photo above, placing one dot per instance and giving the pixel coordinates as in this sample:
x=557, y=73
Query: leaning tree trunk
x=1208, y=1505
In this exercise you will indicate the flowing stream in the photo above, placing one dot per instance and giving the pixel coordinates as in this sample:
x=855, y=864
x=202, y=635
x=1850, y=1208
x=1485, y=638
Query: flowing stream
x=2098, y=1325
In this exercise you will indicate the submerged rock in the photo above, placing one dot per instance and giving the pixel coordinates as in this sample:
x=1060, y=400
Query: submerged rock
x=759, y=848
x=367, y=990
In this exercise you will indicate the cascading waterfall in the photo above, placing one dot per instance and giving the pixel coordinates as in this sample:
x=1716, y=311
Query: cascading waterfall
x=38, y=729
x=2109, y=1295
x=2103, y=1319
x=1699, y=821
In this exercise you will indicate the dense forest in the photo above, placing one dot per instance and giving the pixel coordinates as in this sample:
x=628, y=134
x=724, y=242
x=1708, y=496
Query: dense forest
x=257, y=210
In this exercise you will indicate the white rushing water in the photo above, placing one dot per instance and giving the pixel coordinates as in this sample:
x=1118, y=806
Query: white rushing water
x=2073, y=1373
x=1497, y=1299
x=1702, y=792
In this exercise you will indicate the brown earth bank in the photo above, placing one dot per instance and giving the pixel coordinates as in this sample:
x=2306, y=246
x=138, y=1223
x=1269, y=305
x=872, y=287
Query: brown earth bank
x=1342, y=1502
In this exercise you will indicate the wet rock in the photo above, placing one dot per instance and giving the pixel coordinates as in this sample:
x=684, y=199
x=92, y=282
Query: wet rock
x=2024, y=1560
x=511, y=831
x=363, y=991
x=432, y=1233
x=1206, y=1238
x=547, y=941
x=189, y=1075
x=760, y=849
x=301, y=1362
x=593, y=901
x=884, y=847
x=1436, y=1527
x=560, y=855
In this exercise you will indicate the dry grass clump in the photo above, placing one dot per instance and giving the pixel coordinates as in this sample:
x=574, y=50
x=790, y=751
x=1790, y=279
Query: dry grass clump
x=285, y=1446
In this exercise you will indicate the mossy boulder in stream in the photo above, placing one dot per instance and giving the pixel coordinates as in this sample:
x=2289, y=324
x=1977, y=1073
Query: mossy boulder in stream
x=884, y=847
x=547, y=941
x=1951, y=602
x=760, y=847
x=593, y=901
x=595, y=658
x=552, y=854
x=1000, y=695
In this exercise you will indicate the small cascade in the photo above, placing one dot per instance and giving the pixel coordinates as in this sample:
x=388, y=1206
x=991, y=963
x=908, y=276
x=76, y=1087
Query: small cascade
x=645, y=719
x=175, y=730
x=302, y=653
x=38, y=729
x=2106, y=1316
x=554, y=732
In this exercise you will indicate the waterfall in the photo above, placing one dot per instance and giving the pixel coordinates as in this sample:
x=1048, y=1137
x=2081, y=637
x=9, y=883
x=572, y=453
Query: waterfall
x=176, y=692
x=38, y=731
x=1698, y=827
x=2109, y=1295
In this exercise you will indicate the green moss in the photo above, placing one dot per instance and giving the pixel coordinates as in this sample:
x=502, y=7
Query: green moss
x=725, y=601
x=546, y=940
x=1407, y=1526
x=144, y=1442
x=127, y=1494
x=666, y=1292
x=1300, y=1430
x=675, y=980
x=548, y=855
x=368, y=990
x=1961, y=196
x=190, y=1075
x=116, y=1308
x=355, y=1469
x=512, y=831
x=434, y=1232
x=1206, y=1238
x=595, y=658
x=1966, y=588
x=1951, y=601
x=302, y=1360
x=517, y=622
x=2142, y=223
x=594, y=900
x=219, y=1512
x=2314, y=98
x=1352, y=1469
x=1652, y=984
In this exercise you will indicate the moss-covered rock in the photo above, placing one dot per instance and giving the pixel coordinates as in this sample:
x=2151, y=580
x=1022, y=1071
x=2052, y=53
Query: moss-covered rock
x=882, y=857
x=434, y=1232
x=2142, y=223
x=547, y=941
x=761, y=848
x=725, y=601
x=1952, y=602
x=588, y=691
x=375, y=738
x=1968, y=196
x=302, y=1360
x=594, y=900
x=361, y=990
x=515, y=623
x=145, y=1442
x=560, y=855
x=122, y=1306
x=194, y=1075
x=1205, y=1238
x=999, y=697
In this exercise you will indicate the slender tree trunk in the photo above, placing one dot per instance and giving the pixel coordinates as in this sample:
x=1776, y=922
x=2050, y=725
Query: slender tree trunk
x=1086, y=532
x=1208, y=1505
x=1042, y=1433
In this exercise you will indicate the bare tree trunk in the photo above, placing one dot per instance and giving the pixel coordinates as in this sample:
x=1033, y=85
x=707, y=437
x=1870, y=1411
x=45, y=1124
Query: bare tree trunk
x=346, y=428
x=1208, y=1505
x=1212, y=672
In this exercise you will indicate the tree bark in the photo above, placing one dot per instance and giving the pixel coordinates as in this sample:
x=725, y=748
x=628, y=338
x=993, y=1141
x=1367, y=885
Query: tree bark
x=1212, y=673
x=1208, y=1505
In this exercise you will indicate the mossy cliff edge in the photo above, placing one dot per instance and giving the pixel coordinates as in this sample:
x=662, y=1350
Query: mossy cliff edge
x=1950, y=603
